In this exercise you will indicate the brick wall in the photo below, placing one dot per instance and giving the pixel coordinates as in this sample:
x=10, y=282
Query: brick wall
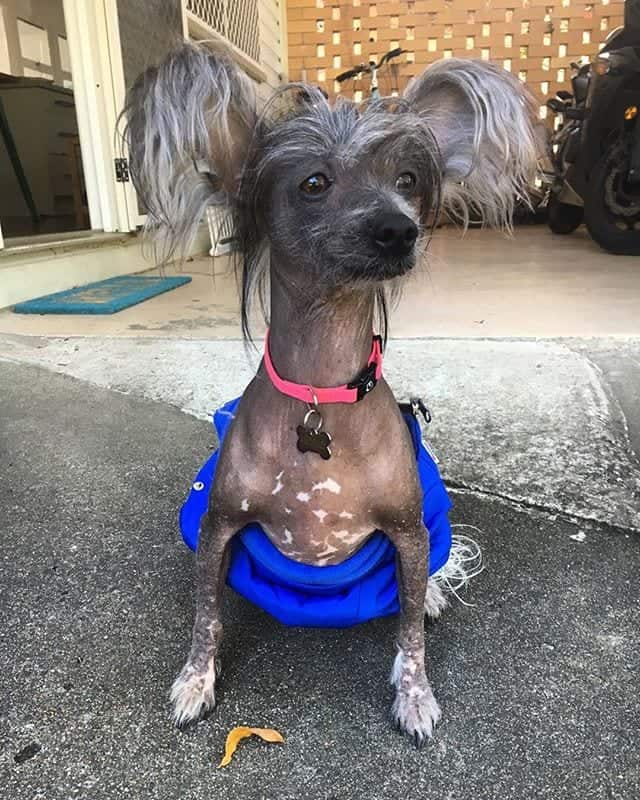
x=535, y=39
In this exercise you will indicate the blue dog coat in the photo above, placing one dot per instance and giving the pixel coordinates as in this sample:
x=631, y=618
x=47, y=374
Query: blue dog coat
x=359, y=589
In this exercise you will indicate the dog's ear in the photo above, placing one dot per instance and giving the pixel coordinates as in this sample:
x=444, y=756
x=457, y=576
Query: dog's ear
x=188, y=124
x=482, y=119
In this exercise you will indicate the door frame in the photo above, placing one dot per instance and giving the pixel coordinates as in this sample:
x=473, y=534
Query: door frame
x=95, y=71
x=114, y=64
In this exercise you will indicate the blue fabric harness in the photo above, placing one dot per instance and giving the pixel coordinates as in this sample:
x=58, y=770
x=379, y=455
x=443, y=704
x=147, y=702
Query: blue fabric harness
x=359, y=589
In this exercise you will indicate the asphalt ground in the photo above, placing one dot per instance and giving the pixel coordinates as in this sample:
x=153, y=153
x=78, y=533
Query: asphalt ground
x=538, y=679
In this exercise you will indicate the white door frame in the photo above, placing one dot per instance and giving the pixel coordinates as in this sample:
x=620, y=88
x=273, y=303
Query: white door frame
x=113, y=54
x=98, y=100
x=114, y=63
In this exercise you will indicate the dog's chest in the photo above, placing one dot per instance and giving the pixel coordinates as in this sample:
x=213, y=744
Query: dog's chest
x=316, y=517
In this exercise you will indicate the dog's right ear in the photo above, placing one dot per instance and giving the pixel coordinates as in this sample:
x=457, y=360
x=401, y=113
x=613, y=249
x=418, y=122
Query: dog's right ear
x=188, y=125
x=482, y=119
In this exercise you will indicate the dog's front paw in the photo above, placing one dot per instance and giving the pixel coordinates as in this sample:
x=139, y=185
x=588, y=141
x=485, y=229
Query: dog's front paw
x=435, y=601
x=193, y=692
x=415, y=711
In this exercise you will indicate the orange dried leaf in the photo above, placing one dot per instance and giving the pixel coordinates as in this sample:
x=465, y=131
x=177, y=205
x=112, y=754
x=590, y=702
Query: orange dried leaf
x=236, y=735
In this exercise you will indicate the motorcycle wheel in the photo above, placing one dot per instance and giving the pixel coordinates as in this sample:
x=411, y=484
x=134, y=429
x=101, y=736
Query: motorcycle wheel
x=612, y=206
x=563, y=218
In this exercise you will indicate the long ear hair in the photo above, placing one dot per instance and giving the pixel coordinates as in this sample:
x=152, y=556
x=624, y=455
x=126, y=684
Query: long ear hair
x=188, y=123
x=482, y=118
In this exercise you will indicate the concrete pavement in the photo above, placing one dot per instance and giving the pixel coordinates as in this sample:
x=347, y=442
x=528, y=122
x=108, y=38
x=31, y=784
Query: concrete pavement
x=477, y=285
x=552, y=424
x=538, y=680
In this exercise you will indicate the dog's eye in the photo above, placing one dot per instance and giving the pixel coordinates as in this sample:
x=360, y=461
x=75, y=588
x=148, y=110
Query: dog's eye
x=315, y=184
x=406, y=182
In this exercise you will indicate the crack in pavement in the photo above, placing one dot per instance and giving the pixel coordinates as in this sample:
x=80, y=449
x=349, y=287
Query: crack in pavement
x=554, y=513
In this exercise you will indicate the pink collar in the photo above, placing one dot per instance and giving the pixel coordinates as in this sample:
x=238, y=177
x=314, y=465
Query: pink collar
x=315, y=395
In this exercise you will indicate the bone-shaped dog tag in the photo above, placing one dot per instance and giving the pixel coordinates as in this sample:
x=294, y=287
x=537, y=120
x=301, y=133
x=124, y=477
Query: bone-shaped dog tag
x=311, y=439
x=314, y=441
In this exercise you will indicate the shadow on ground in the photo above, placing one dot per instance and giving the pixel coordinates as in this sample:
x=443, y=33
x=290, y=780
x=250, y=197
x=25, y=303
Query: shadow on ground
x=538, y=681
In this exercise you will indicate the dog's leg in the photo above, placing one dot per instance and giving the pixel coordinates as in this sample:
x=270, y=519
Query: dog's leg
x=415, y=710
x=193, y=691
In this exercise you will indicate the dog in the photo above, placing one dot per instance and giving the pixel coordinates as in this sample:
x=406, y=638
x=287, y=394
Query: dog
x=333, y=203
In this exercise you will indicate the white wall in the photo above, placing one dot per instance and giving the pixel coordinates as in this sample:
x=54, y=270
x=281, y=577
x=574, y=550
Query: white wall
x=273, y=40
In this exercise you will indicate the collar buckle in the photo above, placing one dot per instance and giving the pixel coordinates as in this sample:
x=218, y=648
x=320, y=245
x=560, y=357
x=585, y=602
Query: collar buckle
x=366, y=381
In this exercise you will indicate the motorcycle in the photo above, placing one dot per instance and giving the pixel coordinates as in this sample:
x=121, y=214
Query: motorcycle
x=565, y=210
x=596, y=158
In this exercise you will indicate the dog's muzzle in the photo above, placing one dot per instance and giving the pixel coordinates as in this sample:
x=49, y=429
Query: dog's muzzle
x=394, y=234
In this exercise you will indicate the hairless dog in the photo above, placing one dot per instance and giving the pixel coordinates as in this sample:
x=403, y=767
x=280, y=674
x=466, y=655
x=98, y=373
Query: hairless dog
x=333, y=203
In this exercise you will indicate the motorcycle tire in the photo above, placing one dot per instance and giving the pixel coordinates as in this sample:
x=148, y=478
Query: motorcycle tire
x=612, y=211
x=563, y=218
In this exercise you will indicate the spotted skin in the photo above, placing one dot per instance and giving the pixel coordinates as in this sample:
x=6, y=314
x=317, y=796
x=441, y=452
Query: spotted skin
x=321, y=515
x=461, y=138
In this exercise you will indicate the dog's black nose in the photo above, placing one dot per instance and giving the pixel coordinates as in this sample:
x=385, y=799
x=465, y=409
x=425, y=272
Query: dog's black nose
x=394, y=233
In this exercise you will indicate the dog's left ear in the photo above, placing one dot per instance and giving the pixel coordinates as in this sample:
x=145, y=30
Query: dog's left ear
x=482, y=119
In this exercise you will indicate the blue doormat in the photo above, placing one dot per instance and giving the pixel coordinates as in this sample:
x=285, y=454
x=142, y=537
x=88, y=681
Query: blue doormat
x=103, y=297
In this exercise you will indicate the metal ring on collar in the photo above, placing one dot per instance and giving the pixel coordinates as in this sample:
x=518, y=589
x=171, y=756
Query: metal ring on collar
x=308, y=416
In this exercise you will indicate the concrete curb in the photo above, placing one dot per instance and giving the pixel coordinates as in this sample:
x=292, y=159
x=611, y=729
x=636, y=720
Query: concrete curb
x=537, y=423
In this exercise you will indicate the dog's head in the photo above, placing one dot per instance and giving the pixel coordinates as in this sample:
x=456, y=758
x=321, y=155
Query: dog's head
x=337, y=194
x=342, y=194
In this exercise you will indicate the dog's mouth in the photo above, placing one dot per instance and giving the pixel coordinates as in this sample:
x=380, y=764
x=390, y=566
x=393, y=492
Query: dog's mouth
x=371, y=268
x=377, y=269
x=396, y=267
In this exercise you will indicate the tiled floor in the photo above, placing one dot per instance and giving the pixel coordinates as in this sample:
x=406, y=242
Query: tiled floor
x=481, y=284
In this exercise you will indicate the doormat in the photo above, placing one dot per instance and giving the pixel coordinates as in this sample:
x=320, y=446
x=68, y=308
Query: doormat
x=103, y=297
